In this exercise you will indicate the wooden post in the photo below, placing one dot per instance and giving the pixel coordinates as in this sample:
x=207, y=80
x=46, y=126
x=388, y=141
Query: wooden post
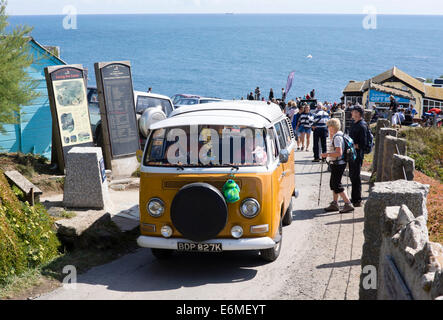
x=31, y=197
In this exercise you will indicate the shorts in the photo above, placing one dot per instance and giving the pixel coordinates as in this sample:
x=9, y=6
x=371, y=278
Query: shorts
x=337, y=171
x=304, y=130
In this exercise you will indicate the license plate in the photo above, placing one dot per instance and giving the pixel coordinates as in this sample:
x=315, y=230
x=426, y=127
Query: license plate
x=199, y=247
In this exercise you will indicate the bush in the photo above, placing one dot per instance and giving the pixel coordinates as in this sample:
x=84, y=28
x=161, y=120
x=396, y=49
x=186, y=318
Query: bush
x=27, y=238
x=425, y=146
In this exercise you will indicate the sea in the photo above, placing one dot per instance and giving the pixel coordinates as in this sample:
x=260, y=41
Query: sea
x=229, y=55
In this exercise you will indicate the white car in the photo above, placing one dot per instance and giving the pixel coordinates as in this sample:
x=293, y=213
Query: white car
x=150, y=108
x=181, y=100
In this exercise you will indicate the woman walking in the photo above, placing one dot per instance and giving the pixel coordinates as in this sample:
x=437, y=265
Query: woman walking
x=305, y=126
x=295, y=126
x=338, y=166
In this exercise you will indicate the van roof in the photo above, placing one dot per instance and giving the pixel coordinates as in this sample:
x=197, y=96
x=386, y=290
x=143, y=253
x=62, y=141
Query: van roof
x=254, y=114
x=152, y=95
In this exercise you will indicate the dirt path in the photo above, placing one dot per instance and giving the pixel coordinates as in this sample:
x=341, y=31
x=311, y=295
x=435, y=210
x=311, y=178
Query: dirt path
x=320, y=259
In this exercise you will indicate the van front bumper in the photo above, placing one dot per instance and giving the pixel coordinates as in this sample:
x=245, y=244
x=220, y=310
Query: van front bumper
x=227, y=244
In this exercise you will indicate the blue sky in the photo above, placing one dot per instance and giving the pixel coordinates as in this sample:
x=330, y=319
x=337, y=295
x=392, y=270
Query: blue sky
x=38, y=7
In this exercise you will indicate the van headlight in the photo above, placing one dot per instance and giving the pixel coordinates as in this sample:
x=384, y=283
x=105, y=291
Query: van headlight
x=250, y=208
x=155, y=207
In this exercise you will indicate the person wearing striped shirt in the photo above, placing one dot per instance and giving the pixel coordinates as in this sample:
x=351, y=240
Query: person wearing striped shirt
x=320, y=129
x=305, y=122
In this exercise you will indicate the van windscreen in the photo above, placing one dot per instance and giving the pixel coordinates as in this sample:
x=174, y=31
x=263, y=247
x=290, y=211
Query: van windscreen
x=208, y=146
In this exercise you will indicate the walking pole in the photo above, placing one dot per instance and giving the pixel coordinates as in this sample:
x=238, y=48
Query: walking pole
x=321, y=178
x=347, y=179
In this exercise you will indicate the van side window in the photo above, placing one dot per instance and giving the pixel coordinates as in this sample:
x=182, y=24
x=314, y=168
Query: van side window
x=288, y=136
x=280, y=135
x=273, y=142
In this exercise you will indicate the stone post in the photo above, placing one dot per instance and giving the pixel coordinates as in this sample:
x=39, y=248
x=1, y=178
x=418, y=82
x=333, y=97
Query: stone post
x=368, y=116
x=400, y=166
x=85, y=183
x=341, y=117
x=387, y=194
x=391, y=144
x=381, y=124
x=384, y=132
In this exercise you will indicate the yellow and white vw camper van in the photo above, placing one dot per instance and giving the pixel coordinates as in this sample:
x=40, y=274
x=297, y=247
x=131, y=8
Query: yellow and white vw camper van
x=218, y=177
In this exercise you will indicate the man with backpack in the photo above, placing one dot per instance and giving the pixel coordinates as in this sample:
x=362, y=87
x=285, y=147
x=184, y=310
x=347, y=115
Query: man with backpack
x=361, y=136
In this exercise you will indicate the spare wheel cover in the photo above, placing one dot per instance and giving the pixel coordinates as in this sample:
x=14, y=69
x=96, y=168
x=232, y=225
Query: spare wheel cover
x=199, y=212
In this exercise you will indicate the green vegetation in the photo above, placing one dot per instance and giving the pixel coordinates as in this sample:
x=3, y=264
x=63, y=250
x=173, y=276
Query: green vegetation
x=27, y=238
x=17, y=88
x=425, y=146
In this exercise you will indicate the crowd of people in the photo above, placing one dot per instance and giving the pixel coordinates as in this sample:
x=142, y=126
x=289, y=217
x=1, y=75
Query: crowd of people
x=257, y=95
x=317, y=121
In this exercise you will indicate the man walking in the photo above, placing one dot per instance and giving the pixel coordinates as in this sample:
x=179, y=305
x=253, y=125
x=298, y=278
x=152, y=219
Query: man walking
x=257, y=94
x=283, y=94
x=358, y=133
x=271, y=95
x=321, y=117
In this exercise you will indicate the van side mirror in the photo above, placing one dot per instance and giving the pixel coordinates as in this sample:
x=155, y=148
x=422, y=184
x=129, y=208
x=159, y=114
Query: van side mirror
x=284, y=156
x=139, y=155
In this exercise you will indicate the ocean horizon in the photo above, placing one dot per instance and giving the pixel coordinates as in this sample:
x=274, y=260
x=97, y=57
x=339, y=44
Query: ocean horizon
x=227, y=55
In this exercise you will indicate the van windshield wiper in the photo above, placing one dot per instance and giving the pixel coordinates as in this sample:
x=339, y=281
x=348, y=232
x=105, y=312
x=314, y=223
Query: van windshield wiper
x=236, y=168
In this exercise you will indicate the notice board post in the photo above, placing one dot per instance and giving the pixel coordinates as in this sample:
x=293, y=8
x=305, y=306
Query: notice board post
x=71, y=126
x=120, y=131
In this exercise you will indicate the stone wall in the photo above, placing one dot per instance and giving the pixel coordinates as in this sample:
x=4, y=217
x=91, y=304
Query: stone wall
x=397, y=245
x=390, y=160
x=410, y=266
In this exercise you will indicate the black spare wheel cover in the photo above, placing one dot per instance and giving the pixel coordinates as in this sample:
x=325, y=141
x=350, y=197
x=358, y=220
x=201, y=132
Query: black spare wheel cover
x=199, y=212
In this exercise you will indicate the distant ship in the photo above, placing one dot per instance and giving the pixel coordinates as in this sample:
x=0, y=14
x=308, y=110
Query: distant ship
x=230, y=13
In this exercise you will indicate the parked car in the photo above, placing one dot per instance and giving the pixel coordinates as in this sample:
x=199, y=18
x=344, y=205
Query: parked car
x=226, y=193
x=180, y=100
x=94, y=110
x=149, y=108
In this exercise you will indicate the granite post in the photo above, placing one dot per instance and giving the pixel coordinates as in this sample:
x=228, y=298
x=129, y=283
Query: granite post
x=381, y=123
x=387, y=194
x=341, y=116
x=85, y=183
x=392, y=145
x=384, y=132
x=402, y=165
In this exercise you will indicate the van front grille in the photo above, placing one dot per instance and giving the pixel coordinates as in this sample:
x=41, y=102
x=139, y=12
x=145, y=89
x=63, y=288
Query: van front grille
x=180, y=184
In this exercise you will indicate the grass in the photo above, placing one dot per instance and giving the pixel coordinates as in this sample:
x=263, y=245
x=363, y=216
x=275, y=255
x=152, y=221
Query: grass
x=35, y=168
x=17, y=284
x=434, y=205
x=68, y=215
x=425, y=146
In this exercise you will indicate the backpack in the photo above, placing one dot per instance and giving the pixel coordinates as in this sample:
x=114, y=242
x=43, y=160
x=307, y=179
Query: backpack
x=349, y=153
x=369, y=141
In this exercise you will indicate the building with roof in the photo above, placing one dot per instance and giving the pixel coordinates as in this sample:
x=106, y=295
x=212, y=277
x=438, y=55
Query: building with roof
x=406, y=89
x=33, y=132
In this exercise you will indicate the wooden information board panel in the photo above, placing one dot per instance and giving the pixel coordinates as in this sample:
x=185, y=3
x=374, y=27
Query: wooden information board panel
x=69, y=108
x=119, y=122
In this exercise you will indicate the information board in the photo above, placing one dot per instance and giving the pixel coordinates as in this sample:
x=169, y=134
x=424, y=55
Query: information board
x=118, y=102
x=69, y=109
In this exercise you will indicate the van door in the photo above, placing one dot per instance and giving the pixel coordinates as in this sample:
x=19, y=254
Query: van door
x=286, y=142
x=289, y=167
x=277, y=178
